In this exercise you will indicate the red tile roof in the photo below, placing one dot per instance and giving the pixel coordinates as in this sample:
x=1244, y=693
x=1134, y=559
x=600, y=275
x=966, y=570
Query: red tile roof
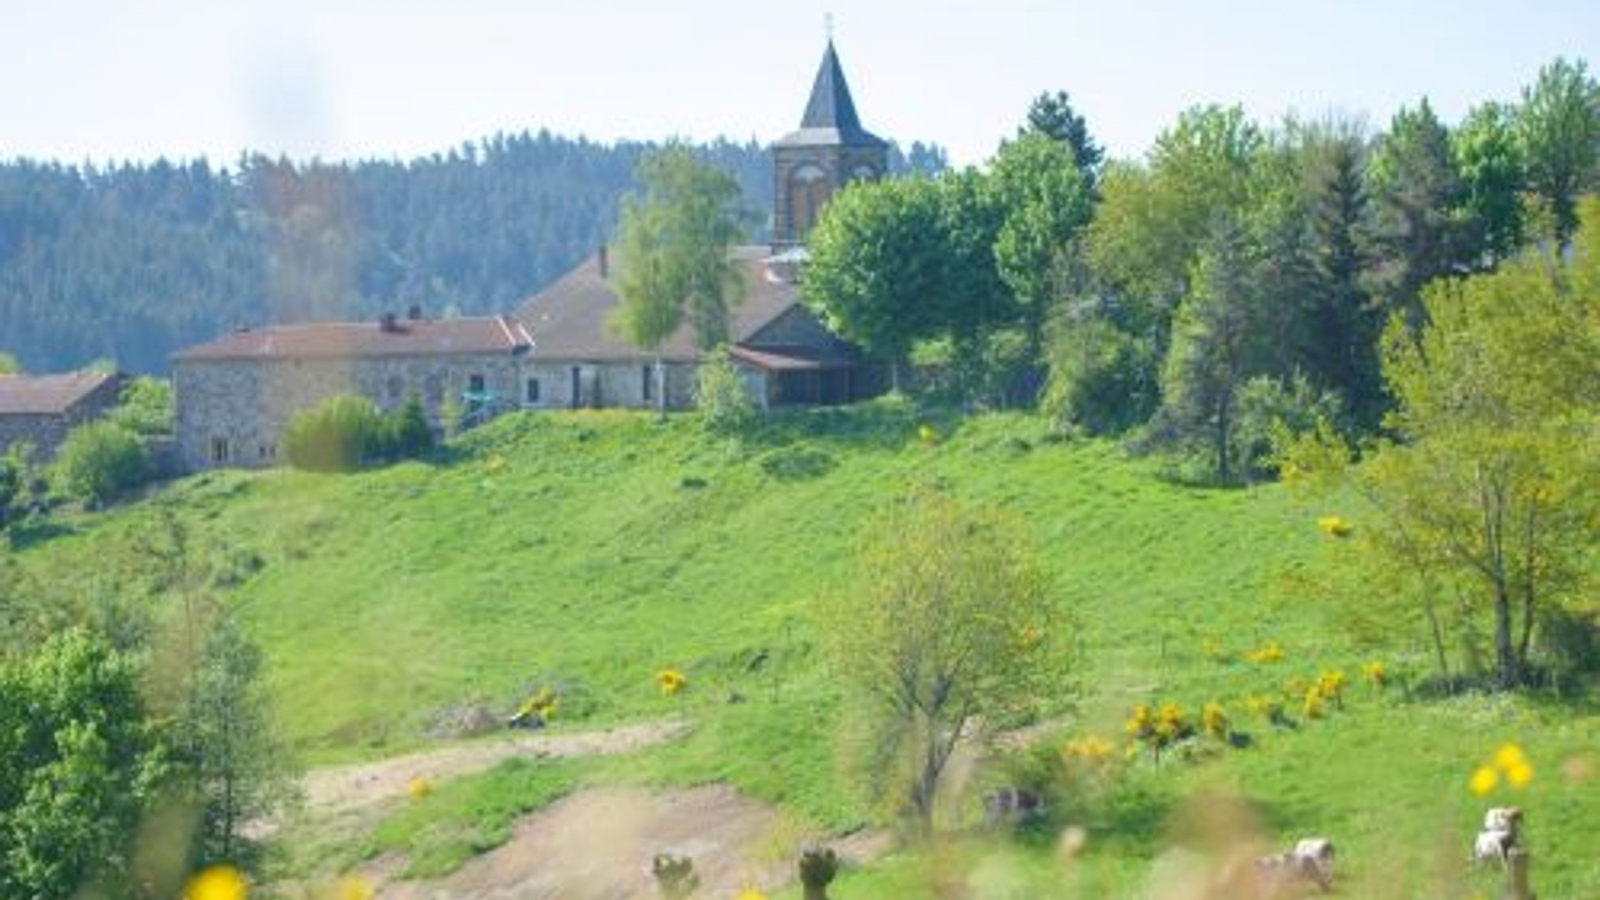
x=48, y=394
x=343, y=340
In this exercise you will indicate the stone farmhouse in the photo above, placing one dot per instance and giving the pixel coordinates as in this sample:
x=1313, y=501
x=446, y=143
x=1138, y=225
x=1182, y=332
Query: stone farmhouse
x=236, y=394
x=39, y=410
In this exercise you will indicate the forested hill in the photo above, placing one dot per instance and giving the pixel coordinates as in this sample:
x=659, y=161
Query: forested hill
x=131, y=262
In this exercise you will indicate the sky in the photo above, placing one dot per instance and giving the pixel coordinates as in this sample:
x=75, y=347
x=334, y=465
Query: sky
x=107, y=80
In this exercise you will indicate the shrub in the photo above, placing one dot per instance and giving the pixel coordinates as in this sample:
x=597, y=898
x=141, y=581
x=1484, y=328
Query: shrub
x=721, y=396
x=100, y=461
x=340, y=434
x=145, y=406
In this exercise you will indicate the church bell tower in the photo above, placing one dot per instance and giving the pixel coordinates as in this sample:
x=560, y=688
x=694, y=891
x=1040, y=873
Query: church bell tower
x=829, y=151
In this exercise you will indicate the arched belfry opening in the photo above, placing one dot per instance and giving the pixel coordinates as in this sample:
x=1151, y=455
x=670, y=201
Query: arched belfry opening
x=829, y=150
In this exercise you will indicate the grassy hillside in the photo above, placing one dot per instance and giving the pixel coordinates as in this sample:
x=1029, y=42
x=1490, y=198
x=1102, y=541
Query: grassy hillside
x=591, y=550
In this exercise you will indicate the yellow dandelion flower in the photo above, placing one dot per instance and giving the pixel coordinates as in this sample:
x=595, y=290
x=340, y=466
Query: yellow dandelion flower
x=1509, y=756
x=1483, y=780
x=751, y=894
x=217, y=883
x=1334, y=526
x=1375, y=673
x=1313, y=706
x=671, y=681
x=1518, y=774
x=1270, y=652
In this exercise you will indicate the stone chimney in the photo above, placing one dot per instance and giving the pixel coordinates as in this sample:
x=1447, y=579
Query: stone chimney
x=604, y=260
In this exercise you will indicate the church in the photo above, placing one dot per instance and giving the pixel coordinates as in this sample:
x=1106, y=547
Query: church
x=786, y=354
x=236, y=395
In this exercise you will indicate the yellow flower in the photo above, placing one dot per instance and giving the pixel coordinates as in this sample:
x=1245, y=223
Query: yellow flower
x=1312, y=708
x=217, y=883
x=1509, y=755
x=751, y=894
x=927, y=434
x=1334, y=526
x=1483, y=780
x=419, y=787
x=671, y=681
x=1092, y=747
x=1214, y=720
x=354, y=887
x=1375, y=673
x=1269, y=652
x=1519, y=774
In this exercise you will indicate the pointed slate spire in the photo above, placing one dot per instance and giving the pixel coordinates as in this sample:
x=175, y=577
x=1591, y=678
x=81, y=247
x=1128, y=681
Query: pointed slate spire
x=830, y=118
x=830, y=105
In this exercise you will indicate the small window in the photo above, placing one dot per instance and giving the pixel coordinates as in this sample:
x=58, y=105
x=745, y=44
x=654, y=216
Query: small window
x=533, y=390
x=267, y=451
x=475, y=384
x=648, y=382
x=219, y=450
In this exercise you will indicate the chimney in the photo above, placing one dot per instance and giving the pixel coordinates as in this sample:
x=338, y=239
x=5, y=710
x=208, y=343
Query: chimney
x=387, y=323
x=605, y=263
x=415, y=312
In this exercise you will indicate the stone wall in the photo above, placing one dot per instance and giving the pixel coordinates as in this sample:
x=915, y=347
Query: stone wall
x=609, y=385
x=233, y=412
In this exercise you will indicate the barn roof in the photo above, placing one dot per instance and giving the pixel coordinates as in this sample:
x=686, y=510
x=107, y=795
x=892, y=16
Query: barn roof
x=48, y=394
x=570, y=320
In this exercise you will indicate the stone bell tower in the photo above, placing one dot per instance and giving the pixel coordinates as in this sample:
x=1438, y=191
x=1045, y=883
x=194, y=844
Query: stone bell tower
x=830, y=150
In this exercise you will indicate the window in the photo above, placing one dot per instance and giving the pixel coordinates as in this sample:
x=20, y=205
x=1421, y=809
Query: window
x=219, y=449
x=648, y=383
x=475, y=384
x=267, y=451
x=533, y=390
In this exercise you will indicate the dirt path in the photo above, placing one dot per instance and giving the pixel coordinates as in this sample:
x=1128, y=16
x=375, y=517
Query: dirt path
x=355, y=791
x=597, y=845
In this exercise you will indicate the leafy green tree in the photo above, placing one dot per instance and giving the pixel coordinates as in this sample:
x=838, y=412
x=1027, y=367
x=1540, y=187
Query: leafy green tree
x=1052, y=115
x=99, y=462
x=950, y=631
x=146, y=407
x=1046, y=204
x=1103, y=378
x=876, y=262
x=81, y=765
x=409, y=434
x=1559, y=123
x=15, y=477
x=1487, y=489
x=674, y=243
x=1493, y=173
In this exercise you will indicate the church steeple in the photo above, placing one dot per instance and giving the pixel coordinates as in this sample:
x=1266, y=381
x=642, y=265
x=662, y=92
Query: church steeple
x=829, y=150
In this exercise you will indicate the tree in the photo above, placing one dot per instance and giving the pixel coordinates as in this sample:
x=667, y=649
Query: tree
x=1053, y=116
x=1493, y=172
x=951, y=631
x=1488, y=488
x=721, y=396
x=340, y=434
x=1417, y=229
x=81, y=766
x=1047, y=203
x=146, y=407
x=875, y=266
x=100, y=461
x=673, y=248
x=1559, y=124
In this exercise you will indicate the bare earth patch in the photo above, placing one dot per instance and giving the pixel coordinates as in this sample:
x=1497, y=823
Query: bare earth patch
x=597, y=845
x=345, y=790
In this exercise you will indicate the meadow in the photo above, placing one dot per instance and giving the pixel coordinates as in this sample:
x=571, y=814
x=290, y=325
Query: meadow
x=589, y=551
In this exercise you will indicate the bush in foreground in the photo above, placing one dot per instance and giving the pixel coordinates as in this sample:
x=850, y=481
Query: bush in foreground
x=99, y=462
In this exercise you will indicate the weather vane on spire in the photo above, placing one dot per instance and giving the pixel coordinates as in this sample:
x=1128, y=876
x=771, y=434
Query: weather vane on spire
x=827, y=25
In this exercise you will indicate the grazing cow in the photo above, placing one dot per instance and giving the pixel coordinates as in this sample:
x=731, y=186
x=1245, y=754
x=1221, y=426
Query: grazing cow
x=1284, y=874
x=1502, y=831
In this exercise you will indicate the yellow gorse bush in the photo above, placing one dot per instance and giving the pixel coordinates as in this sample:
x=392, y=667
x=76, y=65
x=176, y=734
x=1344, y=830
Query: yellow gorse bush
x=1330, y=685
x=1091, y=747
x=1214, y=720
x=1508, y=762
x=1375, y=673
x=544, y=703
x=671, y=681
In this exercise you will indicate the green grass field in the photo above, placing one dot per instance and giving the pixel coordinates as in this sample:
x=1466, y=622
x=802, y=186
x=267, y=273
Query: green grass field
x=590, y=550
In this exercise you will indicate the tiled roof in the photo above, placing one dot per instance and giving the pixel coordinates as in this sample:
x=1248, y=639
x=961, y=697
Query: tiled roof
x=792, y=358
x=341, y=340
x=570, y=319
x=48, y=394
x=830, y=116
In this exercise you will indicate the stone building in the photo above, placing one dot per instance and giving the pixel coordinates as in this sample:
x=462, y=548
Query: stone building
x=40, y=410
x=236, y=394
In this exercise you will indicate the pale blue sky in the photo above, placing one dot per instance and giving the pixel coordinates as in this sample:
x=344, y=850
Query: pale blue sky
x=81, y=79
